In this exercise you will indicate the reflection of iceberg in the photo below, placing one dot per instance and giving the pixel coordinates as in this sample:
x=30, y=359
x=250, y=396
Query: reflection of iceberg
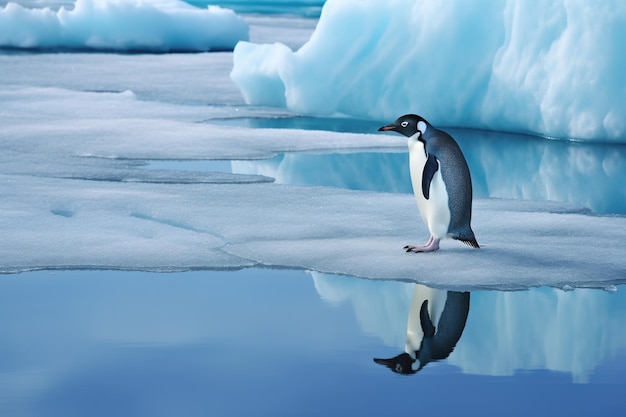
x=357, y=171
x=531, y=169
x=589, y=175
x=542, y=328
x=378, y=305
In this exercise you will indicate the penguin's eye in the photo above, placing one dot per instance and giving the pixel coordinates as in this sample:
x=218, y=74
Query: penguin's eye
x=398, y=366
x=404, y=124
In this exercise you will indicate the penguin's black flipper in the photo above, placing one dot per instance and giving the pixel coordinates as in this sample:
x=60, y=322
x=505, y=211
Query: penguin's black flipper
x=425, y=321
x=430, y=167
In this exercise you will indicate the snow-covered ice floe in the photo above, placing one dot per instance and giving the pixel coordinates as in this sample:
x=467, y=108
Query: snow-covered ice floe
x=551, y=68
x=76, y=194
x=121, y=25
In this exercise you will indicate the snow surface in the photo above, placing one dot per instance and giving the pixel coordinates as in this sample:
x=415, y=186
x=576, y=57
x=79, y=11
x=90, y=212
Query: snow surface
x=555, y=68
x=75, y=196
x=501, y=335
x=121, y=25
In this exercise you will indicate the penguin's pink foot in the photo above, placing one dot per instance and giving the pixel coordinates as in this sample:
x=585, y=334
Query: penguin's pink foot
x=431, y=246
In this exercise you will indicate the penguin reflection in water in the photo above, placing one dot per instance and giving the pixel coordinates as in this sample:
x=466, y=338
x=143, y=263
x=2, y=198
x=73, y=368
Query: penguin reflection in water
x=441, y=182
x=436, y=322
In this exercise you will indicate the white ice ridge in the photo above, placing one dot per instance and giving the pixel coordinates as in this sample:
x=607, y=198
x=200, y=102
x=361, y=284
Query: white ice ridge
x=554, y=68
x=122, y=25
x=72, y=196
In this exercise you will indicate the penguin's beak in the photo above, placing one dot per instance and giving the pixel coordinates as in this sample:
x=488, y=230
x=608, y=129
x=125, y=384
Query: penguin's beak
x=400, y=364
x=387, y=127
x=387, y=362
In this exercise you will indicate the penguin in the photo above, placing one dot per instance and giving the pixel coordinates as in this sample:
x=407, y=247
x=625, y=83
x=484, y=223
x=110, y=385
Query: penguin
x=436, y=322
x=441, y=182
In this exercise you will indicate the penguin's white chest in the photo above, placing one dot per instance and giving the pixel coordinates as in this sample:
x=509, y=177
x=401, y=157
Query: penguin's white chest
x=435, y=211
x=436, y=303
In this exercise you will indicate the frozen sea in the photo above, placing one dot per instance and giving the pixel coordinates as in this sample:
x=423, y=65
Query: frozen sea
x=168, y=249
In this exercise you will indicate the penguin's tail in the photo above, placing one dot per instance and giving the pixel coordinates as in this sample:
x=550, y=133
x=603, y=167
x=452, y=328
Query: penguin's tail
x=471, y=242
x=467, y=238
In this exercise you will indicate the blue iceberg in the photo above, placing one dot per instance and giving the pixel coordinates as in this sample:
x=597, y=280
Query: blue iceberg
x=555, y=69
x=123, y=26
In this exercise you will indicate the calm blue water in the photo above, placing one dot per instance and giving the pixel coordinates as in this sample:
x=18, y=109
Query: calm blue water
x=503, y=165
x=305, y=8
x=288, y=343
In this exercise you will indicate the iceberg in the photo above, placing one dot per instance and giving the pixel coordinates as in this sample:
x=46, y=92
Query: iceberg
x=557, y=69
x=122, y=26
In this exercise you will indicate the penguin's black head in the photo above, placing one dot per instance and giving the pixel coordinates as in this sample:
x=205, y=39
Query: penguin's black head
x=407, y=125
x=401, y=364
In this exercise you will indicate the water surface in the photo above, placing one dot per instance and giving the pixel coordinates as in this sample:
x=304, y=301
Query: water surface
x=265, y=342
x=502, y=165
